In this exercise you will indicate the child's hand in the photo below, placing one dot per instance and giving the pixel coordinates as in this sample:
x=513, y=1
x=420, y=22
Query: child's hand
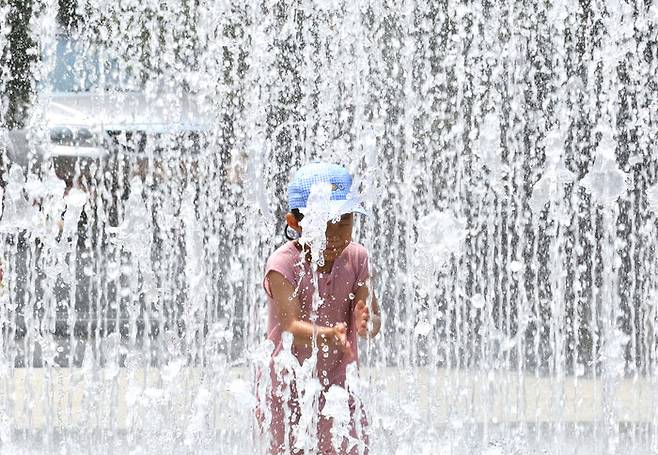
x=340, y=340
x=361, y=318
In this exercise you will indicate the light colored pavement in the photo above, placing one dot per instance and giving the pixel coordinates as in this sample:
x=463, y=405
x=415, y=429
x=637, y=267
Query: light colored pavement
x=120, y=398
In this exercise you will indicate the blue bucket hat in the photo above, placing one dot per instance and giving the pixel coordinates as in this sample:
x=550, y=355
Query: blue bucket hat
x=342, y=200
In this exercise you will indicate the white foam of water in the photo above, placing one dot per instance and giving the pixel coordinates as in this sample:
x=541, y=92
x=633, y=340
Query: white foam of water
x=441, y=236
x=314, y=225
x=488, y=148
x=652, y=198
x=605, y=181
x=337, y=407
x=423, y=328
x=75, y=201
x=516, y=266
x=478, y=301
x=17, y=214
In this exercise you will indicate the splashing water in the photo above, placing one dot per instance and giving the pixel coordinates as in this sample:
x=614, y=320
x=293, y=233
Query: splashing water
x=551, y=186
x=336, y=407
x=605, y=181
x=652, y=198
x=314, y=225
x=440, y=236
x=506, y=151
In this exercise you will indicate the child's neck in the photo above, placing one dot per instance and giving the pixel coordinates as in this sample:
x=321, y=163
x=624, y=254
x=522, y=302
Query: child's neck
x=325, y=268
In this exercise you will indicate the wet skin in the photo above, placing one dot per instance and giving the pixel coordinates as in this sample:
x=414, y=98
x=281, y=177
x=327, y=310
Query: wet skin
x=338, y=234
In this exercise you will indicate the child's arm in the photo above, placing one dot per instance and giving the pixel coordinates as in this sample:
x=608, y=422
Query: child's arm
x=288, y=311
x=362, y=313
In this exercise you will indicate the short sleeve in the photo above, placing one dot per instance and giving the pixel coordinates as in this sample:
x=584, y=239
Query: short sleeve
x=281, y=263
x=362, y=268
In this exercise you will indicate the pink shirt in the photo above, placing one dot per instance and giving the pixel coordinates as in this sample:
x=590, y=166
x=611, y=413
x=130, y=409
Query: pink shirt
x=336, y=288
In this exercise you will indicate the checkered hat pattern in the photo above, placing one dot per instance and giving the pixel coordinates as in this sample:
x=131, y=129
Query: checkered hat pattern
x=307, y=176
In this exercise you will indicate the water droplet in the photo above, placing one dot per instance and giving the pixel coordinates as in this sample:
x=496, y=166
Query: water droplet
x=516, y=266
x=423, y=328
x=351, y=296
x=286, y=341
x=477, y=300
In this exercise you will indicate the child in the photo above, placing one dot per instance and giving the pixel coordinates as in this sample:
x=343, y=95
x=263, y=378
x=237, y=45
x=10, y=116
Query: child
x=341, y=315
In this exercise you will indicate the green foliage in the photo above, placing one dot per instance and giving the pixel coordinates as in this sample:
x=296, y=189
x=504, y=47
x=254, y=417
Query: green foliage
x=15, y=62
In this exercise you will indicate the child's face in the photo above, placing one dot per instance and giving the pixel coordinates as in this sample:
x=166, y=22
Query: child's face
x=339, y=235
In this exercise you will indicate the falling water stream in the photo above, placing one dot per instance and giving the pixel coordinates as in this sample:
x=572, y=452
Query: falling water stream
x=508, y=153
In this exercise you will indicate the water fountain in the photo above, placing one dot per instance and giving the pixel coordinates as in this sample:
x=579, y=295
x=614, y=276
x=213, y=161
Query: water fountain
x=506, y=150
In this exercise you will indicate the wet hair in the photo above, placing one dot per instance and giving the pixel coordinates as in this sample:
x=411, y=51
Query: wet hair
x=298, y=216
